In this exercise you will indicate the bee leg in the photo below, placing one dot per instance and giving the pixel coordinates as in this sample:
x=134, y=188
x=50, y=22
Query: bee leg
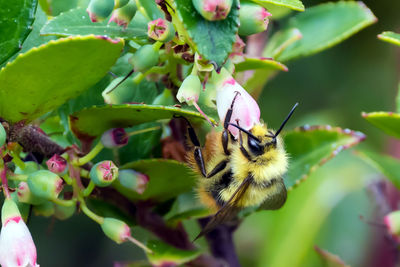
x=225, y=133
x=198, y=155
x=242, y=149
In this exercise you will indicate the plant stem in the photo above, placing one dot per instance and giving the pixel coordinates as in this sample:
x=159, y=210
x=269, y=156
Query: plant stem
x=17, y=160
x=3, y=174
x=144, y=130
x=64, y=203
x=91, y=155
x=90, y=213
x=17, y=177
x=88, y=190
x=221, y=242
x=139, y=244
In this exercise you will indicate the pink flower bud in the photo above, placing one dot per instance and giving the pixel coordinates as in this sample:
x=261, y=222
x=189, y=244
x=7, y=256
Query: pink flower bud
x=133, y=180
x=25, y=195
x=392, y=222
x=213, y=9
x=104, y=173
x=246, y=112
x=253, y=18
x=98, y=10
x=114, y=138
x=45, y=184
x=160, y=30
x=57, y=164
x=116, y=230
x=16, y=244
x=123, y=15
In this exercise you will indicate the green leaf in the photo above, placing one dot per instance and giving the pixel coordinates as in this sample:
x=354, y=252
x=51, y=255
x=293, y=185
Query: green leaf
x=53, y=73
x=280, y=40
x=55, y=7
x=326, y=25
x=86, y=123
x=17, y=17
x=390, y=37
x=212, y=39
x=167, y=179
x=388, y=165
x=292, y=4
x=310, y=147
x=167, y=255
x=259, y=63
x=149, y=9
x=77, y=22
x=388, y=122
x=398, y=100
x=329, y=259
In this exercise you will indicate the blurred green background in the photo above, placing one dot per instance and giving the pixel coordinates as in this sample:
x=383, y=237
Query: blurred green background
x=332, y=87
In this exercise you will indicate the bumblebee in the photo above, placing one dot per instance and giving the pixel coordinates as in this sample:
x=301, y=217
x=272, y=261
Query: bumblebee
x=235, y=174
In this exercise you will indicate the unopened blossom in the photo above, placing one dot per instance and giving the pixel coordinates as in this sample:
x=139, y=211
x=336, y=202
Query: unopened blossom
x=133, y=180
x=16, y=244
x=253, y=18
x=57, y=164
x=213, y=9
x=103, y=173
x=98, y=10
x=246, y=111
x=123, y=15
x=115, y=138
x=392, y=222
x=160, y=30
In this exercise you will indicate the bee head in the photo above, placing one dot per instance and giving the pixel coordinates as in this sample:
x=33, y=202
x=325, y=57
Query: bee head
x=260, y=140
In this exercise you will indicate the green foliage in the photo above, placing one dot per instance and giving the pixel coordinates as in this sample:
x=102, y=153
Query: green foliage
x=165, y=254
x=292, y=4
x=66, y=67
x=388, y=122
x=84, y=123
x=16, y=23
x=336, y=22
x=310, y=147
x=168, y=179
x=390, y=37
x=77, y=22
x=212, y=39
x=259, y=63
x=388, y=165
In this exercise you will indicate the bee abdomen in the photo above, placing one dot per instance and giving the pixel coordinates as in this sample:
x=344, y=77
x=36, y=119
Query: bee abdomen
x=221, y=184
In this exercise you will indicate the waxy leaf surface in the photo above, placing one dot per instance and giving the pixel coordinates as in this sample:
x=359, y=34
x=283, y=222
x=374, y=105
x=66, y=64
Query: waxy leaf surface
x=45, y=77
x=326, y=25
x=167, y=179
x=292, y=4
x=310, y=147
x=390, y=37
x=16, y=18
x=388, y=122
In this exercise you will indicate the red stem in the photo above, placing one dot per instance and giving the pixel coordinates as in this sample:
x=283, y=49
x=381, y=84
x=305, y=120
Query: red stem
x=3, y=175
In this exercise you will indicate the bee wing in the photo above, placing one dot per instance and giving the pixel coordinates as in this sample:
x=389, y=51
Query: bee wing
x=228, y=210
x=277, y=198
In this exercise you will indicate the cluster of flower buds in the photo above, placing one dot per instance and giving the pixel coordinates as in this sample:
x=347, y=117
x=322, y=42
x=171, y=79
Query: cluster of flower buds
x=16, y=244
x=2, y=135
x=103, y=173
x=122, y=11
x=145, y=57
x=253, y=18
x=213, y=9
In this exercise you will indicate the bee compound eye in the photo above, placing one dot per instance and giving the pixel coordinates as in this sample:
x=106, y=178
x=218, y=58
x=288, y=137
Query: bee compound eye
x=255, y=147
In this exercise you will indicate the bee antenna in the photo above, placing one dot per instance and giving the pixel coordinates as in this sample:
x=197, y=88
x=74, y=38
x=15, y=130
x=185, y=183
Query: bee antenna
x=245, y=131
x=286, y=120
